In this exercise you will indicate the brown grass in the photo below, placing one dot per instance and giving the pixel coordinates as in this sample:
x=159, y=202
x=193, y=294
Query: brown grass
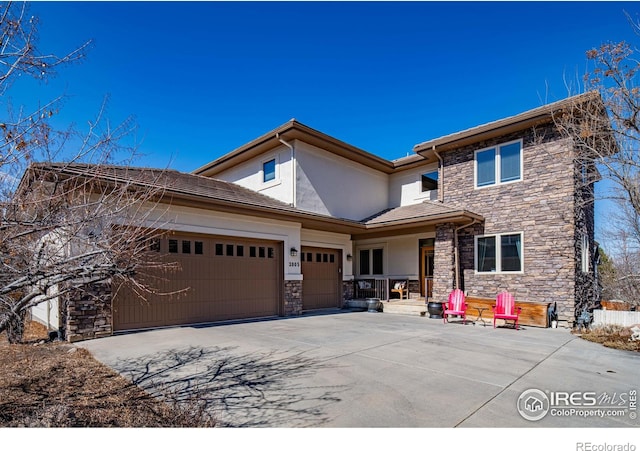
x=54, y=384
x=616, y=337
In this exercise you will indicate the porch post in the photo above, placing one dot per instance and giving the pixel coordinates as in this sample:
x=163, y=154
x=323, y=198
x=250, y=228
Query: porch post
x=444, y=261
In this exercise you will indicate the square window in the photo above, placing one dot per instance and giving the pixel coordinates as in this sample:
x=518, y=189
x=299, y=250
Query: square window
x=499, y=253
x=219, y=249
x=269, y=170
x=325, y=258
x=318, y=258
x=261, y=252
x=302, y=254
x=332, y=258
x=229, y=250
x=239, y=251
x=173, y=246
x=498, y=165
x=252, y=251
x=154, y=245
x=199, y=247
x=309, y=257
x=429, y=181
x=271, y=252
x=186, y=247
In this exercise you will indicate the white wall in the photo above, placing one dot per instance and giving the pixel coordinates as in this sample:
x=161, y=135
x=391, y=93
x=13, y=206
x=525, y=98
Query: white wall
x=405, y=188
x=331, y=240
x=249, y=174
x=47, y=312
x=332, y=185
x=401, y=255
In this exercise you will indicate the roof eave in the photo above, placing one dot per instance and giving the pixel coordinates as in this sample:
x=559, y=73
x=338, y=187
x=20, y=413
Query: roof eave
x=536, y=116
x=290, y=131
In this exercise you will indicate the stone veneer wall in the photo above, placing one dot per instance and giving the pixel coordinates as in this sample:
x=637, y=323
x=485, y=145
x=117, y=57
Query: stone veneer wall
x=348, y=290
x=86, y=312
x=443, y=262
x=292, y=297
x=542, y=206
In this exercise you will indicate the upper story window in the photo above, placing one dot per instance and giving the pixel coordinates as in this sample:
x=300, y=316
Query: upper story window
x=269, y=170
x=429, y=181
x=499, y=164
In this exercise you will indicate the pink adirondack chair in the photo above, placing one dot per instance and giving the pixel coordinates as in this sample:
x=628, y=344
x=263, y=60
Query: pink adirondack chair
x=456, y=306
x=505, y=308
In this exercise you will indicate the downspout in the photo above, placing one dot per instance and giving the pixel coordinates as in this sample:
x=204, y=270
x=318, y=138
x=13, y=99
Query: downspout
x=440, y=175
x=456, y=251
x=293, y=168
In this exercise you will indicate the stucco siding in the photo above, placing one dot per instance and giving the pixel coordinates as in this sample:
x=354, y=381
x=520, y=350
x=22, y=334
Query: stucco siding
x=249, y=175
x=405, y=188
x=332, y=185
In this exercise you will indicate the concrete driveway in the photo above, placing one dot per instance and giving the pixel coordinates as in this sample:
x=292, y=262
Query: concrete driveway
x=360, y=369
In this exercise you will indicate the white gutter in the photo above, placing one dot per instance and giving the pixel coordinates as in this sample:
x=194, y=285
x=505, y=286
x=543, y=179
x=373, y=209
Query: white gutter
x=293, y=168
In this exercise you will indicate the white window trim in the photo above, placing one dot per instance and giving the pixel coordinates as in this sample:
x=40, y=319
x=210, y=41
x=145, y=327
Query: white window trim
x=497, y=165
x=585, y=254
x=498, y=253
x=370, y=248
x=276, y=180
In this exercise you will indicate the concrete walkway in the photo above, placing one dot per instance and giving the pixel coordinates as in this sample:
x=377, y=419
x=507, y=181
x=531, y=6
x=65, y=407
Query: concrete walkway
x=360, y=369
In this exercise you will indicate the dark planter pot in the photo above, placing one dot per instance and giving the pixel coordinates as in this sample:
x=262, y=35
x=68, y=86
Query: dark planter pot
x=435, y=310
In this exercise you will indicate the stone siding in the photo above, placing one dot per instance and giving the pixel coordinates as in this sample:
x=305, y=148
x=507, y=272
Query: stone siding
x=541, y=206
x=292, y=297
x=348, y=290
x=444, y=264
x=86, y=312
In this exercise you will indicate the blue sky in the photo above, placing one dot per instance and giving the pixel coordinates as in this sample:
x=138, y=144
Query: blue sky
x=203, y=78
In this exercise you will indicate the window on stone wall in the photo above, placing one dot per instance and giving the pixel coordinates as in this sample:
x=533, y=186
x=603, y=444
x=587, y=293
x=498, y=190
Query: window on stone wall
x=499, y=253
x=498, y=165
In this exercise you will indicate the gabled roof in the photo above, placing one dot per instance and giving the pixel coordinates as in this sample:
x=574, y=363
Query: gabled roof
x=178, y=188
x=293, y=130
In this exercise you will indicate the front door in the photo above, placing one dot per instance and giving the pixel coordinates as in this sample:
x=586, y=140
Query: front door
x=426, y=271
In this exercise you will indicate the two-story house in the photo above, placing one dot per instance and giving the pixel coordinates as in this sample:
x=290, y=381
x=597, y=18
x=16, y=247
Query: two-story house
x=295, y=219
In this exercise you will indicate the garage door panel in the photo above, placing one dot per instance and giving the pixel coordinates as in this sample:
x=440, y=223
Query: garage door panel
x=224, y=281
x=321, y=287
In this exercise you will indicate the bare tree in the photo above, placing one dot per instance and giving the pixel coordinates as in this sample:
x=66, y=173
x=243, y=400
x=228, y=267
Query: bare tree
x=606, y=134
x=69, y=224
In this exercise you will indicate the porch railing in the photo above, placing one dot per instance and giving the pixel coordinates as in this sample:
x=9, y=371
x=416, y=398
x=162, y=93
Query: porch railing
x=371, y=288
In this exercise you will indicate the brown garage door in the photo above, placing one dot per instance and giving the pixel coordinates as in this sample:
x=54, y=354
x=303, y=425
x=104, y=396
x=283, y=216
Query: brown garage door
x=225, y=278
x=321, y=270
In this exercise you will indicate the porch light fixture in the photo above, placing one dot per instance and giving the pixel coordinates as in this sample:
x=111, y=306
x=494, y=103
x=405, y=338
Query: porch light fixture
x=293, y=251
x=349, y=257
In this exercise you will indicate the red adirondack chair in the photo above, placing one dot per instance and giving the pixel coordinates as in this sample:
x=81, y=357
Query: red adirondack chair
x=456, y=306
x=505, y=308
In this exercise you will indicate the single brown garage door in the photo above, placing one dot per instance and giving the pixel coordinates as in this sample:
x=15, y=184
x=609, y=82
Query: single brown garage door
x=225, y=278
x=321, y=271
